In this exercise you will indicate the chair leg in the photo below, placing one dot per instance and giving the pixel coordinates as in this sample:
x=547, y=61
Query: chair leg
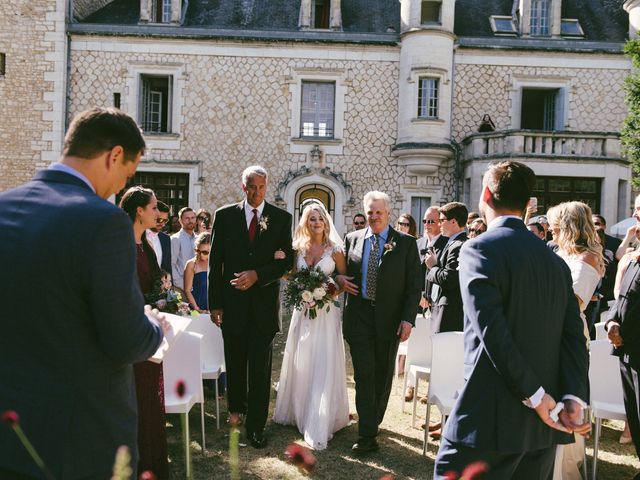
x=217, y=407
x=425, y=441
x=202, y=423
x=404, y=386
x=585, y=474
x=415, y=401
x=596, y=445
x=187, y=452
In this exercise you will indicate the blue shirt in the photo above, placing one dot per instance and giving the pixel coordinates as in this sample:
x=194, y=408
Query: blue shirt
x=61, y=167
x=366, y=250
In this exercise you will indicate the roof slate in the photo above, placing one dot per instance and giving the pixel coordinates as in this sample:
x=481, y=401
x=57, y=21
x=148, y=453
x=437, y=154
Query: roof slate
x=601, y=20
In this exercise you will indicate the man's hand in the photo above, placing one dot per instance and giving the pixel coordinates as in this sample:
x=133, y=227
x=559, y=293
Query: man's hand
x=572, y=417
x=158, y=317
x=346, y=284
x=244, y=280
x=544, y=408
x=431, y=260
x=216, y=316
x=404, y=330
x=424, y=303
x=613, y=332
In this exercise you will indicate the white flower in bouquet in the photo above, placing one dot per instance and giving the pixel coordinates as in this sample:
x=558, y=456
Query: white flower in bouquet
x=306, y=296
x=319, y=293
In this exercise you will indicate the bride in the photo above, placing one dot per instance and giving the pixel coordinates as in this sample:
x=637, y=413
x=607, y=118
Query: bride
x=312, y=393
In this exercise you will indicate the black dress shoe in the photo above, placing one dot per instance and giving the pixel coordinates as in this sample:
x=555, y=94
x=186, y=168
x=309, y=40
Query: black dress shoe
x=365, y=445
x=257, y=439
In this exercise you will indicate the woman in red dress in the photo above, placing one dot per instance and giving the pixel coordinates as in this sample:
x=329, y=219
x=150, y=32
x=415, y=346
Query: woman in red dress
x=141, y=206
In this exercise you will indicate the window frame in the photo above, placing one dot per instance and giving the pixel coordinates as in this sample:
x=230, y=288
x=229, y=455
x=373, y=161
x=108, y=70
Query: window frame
x=317, y=112
x=431, y=22
x=513, y=32
x=436, y=98
x=540, y=12
x=563, y=84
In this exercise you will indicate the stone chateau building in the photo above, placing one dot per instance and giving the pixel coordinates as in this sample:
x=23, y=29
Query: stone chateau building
x=334, y=97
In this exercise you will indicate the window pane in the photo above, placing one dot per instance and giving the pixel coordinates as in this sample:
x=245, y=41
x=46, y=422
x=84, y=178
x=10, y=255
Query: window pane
x=430, y=12
x=155, y=104
x=428, y=97
x=318, y=102
x=539, y=17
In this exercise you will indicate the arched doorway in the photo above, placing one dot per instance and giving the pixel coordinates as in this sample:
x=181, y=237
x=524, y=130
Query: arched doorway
x=314, y=192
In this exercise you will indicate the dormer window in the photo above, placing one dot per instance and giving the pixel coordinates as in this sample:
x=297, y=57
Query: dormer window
x=570, y=27
x=540, y=17
x=161, y=11
x=430, y=12
x=502, y=25
x=320, y=13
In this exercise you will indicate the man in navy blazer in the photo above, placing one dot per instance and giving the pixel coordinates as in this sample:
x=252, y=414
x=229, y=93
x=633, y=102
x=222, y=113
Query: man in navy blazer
x=518, y=359
x=74, y=320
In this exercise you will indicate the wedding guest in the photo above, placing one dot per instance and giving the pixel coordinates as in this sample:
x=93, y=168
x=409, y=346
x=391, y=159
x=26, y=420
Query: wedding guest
x=312, y=393
x=475, y=228
x=517, y=359
x=622, y=327
x=578, y=246
x=182, y=245
x=537, y=229
x=471, y=217
x=611, y=243
x=66, y=360
x=196, y=272
x=173, y=225
x=359, y=221
x=244, y=291
x=629, y=243
x=406, y=224
x=160, y=241
x=383, y=287
x=203, y=221
x=141, y=206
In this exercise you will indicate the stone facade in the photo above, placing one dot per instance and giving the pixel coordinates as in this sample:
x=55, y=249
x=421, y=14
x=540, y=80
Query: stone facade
x=32, y=36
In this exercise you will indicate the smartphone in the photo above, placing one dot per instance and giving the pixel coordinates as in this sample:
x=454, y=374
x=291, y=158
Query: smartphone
x=533, y=204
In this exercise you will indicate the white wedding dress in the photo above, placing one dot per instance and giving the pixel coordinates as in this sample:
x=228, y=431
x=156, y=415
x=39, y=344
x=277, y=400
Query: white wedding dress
x=312, y=393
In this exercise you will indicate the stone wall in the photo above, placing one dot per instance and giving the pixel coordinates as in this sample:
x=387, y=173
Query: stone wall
x=596, y=98
x=83, y=8
x=32, y=35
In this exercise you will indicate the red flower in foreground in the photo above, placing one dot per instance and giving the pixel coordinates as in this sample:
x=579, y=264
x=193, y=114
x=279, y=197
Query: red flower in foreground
x=300, y=457
x=181, y=388
x=147, y=475
x=388, y=476
x=10, y=417
x=475, y=471
x=451, y=475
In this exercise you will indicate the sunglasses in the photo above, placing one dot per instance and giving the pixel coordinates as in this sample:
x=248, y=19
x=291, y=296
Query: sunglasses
x=203, y=252
x=442, y=219
x=476, y=231
x=162, y=220
x=404, y=224
x=429, y=222
x=358, y=223
x=598, y=224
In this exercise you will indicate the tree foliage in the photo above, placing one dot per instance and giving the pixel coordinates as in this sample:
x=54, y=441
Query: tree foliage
x=631, y=126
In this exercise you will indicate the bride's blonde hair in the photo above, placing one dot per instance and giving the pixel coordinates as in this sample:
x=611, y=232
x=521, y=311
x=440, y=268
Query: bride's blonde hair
x=302, y=234
x=577, y=232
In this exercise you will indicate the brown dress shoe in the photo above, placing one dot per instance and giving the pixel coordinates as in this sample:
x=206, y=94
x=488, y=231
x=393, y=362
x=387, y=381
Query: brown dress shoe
x=433, y=426
x=408, y=394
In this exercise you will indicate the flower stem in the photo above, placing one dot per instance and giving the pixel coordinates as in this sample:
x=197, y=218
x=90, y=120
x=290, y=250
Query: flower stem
x=32, y=452
x=234, y=461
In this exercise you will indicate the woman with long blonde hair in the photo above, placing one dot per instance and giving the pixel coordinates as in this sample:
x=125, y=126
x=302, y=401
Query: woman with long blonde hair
x=575, y=234
x=312, y=392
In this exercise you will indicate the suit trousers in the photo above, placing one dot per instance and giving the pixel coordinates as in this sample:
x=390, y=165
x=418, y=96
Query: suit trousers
x=373, y=359
x=248, y=361
x=631, y=391
x=533, y=465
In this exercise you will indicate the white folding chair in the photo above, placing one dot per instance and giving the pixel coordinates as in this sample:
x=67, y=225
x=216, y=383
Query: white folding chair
x=402, y=350
x=606, y=391
x=182, y=363
x=418, y=361
x=447, y=376
x=601, y=333
x=212, y=352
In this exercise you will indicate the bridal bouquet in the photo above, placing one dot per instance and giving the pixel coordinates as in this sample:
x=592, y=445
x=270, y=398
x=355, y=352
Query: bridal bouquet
x=168, y=301
x=310, y=289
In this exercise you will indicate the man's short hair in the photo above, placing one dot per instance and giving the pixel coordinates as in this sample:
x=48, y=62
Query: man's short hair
x=377, y=195
x=163, y=207
x=251, y=171
x=98, y=130
x=184, y=210
x=431, y=209
x=510, y=184
x=456, y=210
x=537, y=226
x=601, y=218
x=359, y=215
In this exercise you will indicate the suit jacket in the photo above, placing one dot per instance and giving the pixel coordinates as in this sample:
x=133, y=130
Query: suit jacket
x=232, y=253
x=66, y=349
x=438, y=246
x=398, y=282
x=626, y=311
x=165, y=244
x=448, y=311
x=522, y=331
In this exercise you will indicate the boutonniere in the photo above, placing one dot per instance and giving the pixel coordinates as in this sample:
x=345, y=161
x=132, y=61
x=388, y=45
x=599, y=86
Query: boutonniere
x=388, y=247
x=263, y=223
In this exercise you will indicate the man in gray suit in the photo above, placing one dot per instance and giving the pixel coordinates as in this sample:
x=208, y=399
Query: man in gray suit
x=67, y=349
x=518, y=360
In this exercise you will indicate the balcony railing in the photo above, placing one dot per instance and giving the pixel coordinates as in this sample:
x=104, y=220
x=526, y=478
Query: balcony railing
x=542, y=144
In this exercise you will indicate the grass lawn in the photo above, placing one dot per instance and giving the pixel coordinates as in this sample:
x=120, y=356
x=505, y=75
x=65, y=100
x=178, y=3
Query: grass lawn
x=400, y=451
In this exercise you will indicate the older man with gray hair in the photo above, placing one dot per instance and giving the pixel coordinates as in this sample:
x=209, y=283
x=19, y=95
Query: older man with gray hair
x=383, y=289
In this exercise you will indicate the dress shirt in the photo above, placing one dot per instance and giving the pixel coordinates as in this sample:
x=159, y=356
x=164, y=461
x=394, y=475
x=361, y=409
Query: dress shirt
x=182, y=250
x=248, y=212
x=453, y=237
x=154, y=241
x=368, y=239
x=432, y=241
x=61, y=167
